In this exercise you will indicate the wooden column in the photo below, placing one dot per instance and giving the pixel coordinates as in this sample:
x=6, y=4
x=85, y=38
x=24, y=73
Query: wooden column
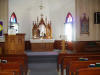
x=63, y=46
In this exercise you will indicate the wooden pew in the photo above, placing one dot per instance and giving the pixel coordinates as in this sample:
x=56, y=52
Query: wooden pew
x=18, y=60
x=62, y=55
x=13, y=56
x=11, y=67
x=74, y=65
x=14, y=71
x=68, y=59
x=22, y=59
x=88, y=71
x=7, y=73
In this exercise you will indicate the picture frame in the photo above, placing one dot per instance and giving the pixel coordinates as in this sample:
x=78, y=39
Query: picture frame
x=84, y=24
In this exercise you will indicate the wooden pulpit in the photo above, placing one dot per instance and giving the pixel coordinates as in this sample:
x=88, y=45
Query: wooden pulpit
x=14, y=44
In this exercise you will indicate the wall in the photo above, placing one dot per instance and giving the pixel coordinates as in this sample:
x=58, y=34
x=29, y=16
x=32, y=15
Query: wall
x=4, y=15
x=88, y=7
x=58, y=14
x=22, y=10
x=56, y=11
x=28, y=10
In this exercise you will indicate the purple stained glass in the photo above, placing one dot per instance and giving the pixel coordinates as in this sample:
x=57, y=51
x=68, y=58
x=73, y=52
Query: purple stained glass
x=1, y=28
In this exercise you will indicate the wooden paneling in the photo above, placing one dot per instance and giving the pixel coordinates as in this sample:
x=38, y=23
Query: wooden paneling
x=14, y=44
x=40, y=47
x=79, y=46
x=86, y=46
x=69, y=45
x=57, y=44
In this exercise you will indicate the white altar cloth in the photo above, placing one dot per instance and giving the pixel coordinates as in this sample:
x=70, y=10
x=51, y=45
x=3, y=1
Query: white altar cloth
x=41, y=40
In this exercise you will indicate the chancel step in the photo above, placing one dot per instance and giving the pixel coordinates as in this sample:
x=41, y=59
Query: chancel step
x=42, y=58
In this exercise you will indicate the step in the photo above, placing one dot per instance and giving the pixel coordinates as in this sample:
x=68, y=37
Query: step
x=42, y=58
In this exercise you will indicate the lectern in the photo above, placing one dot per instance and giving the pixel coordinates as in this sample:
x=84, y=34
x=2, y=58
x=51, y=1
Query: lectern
x=14, y=44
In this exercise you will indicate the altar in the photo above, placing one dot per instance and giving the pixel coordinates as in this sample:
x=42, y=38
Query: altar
x=41, y=39
x=41, y=45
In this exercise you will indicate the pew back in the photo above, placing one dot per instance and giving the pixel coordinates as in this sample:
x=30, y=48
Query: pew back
x=68, y=59
x=11, y=67
x=62, y=55
x=6, y=73
x=19, y=59
x=88, y=71
x=75, y=65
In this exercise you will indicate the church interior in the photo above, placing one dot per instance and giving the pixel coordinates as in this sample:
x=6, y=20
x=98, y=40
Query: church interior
x=49, y=37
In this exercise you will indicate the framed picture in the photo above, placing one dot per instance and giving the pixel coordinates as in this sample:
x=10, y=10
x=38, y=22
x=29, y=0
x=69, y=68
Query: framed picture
x=84, y=24
x=1, y=28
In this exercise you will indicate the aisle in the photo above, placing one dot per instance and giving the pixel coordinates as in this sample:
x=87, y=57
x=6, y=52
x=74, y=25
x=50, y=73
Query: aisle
x=42, y=69
x=42, y=63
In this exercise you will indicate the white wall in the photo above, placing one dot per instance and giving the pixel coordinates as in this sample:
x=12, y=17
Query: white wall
x=28, y=10
x=58, y=13
x=4, y=16
x=89, y=7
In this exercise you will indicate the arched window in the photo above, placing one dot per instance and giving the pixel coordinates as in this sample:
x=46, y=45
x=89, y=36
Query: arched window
x=13, y=18
x=68, y=26
x=13, y=22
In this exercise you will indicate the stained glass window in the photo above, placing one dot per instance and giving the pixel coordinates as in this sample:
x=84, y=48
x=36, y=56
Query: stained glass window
x=13, y=18
x=69, y=18
x=13, y=23
x=68, y=26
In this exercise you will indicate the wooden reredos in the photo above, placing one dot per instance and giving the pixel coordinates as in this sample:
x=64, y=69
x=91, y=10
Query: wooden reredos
x=42, y=29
